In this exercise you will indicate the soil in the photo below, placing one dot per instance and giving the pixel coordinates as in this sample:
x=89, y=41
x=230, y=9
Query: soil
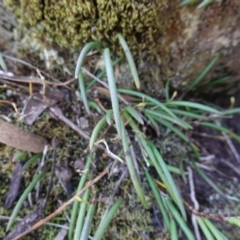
x=222, y=161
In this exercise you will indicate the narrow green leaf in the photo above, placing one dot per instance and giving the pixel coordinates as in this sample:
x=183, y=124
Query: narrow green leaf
x=109, y=116
x=96, y=131
x=216, y=233
x=173, y=230
x=192, y=105
x=206, y=70
x=135, y=114
x=19, y=156
x=131, y=168
x=176, y=194
x=102, y=74
x=79, y=74
x=107, y=219
x=33, y=159
x=188, y=114
x=177, y=131
x=130, y=60
x=179, y=219
x=231, y=111
x=95, y=106
x=148, y=150
x=88, y=222
x=222, y=129
x=188, y=2
x=152, y=120
x=150, y=155
x=148, y=98
x=161, y=115
x=213, y=83
x=113, y=90
x=158, y=200
x=76, y=203
x=83, y=54
x=175, y=170
x=81, y=215
x=204, y=228
x=23, y=197
x=233, y=220
x=205, y=3
x=83, y=91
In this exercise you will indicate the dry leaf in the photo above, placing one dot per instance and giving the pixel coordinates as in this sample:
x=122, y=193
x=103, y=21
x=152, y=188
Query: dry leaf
x=39, y=102
x=16, y=137
x=34, y=106
x=16, y=181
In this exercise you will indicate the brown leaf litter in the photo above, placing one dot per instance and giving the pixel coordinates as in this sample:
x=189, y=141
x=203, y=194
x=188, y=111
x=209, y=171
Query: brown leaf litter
x=21, y=139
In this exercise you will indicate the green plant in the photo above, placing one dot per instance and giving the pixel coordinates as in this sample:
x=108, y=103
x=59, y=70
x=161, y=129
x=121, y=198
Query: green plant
x=175, y=115
x=21, y=200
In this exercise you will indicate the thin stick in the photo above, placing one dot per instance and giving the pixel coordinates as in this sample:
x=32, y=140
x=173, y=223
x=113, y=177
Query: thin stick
x=26, y=64
x=59, y=114
x=25, y=79
x=195, y=203
x=49, y=223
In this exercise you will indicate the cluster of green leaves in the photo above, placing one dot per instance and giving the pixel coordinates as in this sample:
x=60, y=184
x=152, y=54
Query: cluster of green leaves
x=83, y=211
x=81, y=216
x=175, y=115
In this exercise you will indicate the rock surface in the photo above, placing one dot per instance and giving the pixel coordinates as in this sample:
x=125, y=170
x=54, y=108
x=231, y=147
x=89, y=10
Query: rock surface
x=168, y=42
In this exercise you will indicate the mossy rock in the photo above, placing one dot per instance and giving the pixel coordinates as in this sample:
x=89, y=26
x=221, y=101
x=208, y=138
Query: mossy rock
x=169, y=42
x=71, y=24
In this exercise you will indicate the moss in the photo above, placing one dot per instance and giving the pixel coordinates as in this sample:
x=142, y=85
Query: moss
x=72, y=24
